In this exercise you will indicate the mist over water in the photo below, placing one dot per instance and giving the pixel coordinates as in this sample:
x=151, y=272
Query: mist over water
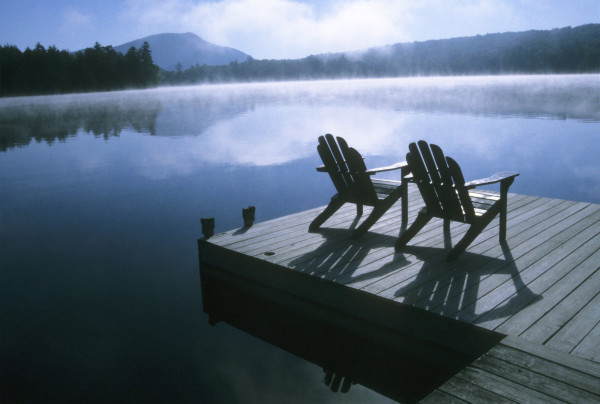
x=101, y=195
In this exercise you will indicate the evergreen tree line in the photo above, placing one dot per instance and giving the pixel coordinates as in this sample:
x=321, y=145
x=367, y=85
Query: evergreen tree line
x=564, y=50
x=50, y=71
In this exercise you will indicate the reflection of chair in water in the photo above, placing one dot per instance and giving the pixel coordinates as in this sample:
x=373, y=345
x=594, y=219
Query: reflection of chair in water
x=353, y=183
x=448, y=197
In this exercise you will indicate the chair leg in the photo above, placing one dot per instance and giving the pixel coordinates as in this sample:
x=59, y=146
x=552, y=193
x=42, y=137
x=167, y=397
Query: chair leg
x=376, y=213
x=464, y=242
x=422, y=219
x=474, y=231
x=502, y=235
x=333, y=206
x=447, y=235
x=502, y=216
x=404, y=201
x=504, y=185
x=404, y=171
x=380, y=208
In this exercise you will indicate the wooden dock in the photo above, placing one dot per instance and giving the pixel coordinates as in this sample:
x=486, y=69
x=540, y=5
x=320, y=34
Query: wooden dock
x=502, y=323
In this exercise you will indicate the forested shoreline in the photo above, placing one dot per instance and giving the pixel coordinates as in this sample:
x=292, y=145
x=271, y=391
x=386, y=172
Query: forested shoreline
x=557, y=51
x=564, y=50
x=51, y=71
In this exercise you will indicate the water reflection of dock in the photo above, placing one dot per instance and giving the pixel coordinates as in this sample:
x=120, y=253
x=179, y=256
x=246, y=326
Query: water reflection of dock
x=519, y=321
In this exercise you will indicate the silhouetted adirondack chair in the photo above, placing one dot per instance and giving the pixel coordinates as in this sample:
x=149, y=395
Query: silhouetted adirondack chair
x=447, y=196
x=354, y=184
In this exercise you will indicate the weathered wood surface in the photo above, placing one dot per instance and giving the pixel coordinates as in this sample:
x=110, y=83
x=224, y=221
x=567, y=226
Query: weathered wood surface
x=541, y=287
x=517, y=371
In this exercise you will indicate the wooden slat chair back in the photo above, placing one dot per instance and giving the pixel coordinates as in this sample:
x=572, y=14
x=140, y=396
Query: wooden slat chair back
x=447, y=195
x=347, y=170
x=354, y=184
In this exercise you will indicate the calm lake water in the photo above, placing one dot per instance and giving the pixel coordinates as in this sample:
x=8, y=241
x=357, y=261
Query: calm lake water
x=101, y=197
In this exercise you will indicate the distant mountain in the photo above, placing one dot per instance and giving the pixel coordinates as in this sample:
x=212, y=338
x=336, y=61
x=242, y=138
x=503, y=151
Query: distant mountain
x=188, y=49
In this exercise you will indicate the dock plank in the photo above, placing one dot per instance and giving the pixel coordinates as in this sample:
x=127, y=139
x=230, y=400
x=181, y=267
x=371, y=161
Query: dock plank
x=532, y=380
x=566, y=288
x=504, y=387
x=569, y=305
x=469, y=392
x=541, y=245
x=290, y=227
x=577, y=328
x=588, y=347
x=482, y=256
x=477, y=273
x=536, y=279
x=441, y=397
x=336, y=235
x=546, y=367
x=516, y=370
x=587, y=367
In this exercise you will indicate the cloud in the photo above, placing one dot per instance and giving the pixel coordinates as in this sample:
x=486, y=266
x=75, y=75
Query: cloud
x=279, y=29
x=74, y=20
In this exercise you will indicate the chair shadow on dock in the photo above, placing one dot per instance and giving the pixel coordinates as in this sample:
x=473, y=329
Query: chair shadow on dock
x=346, y=260
x=450, y=288
x=477, y=289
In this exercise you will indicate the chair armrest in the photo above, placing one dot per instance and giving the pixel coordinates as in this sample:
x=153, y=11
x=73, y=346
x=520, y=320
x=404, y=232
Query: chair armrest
x=396, y=166
x=498, y=177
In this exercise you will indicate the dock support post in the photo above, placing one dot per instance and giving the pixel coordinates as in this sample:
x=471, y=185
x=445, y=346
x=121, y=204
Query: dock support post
x=248, y=216
x=208, y=227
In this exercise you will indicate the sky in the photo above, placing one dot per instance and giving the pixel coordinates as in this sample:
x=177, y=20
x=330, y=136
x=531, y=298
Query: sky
x=279, y=29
